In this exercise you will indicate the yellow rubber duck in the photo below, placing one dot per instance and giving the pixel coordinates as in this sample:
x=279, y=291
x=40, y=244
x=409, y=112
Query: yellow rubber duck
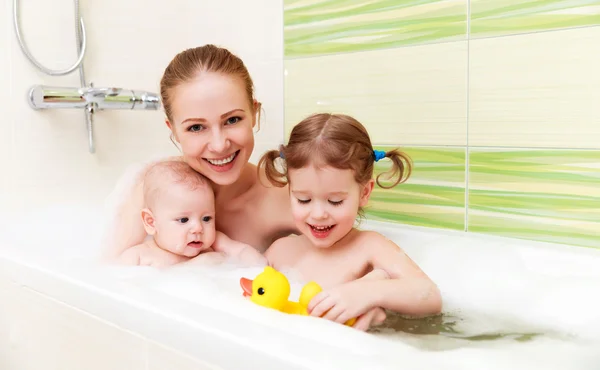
x=272, y=289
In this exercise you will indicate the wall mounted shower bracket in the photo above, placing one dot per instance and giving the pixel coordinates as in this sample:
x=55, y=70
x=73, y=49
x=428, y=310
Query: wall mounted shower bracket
x=91, y=99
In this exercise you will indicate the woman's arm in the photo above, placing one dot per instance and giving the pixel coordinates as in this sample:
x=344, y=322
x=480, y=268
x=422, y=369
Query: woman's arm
x=125, y=228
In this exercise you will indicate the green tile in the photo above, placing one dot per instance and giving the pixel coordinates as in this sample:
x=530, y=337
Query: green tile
x=503, y=17
x=434, y=195
x=317, y=27
x=545, y=195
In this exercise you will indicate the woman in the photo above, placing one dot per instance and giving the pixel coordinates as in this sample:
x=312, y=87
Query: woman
x=208, y=98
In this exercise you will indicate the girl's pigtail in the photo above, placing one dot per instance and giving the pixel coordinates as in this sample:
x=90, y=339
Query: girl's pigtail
x=267, y=161
x=401, y=168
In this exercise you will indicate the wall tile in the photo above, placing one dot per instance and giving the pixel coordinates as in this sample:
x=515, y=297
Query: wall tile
x=317, y=27
x=6, y=127
x=536, y=90
x=548, y=195
x=268, y=82
x=413, y=96
x=126, y=51
x=504, y=17
x=433, y=196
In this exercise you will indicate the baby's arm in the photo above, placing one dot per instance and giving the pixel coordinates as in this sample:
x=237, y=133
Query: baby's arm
x=238, y=250
x=408, y=289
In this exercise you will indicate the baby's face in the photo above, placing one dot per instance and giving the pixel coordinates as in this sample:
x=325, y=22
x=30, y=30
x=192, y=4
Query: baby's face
x=184, y=220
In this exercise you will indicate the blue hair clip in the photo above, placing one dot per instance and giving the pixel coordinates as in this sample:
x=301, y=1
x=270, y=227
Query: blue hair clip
x=281, y=154
x=378, y=154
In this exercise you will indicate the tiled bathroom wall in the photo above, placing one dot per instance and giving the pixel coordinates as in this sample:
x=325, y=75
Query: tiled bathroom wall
x=44, y=158
x=496, y=101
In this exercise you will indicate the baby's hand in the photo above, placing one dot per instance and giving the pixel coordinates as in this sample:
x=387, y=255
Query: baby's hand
x=242, y=252
x=341, y=303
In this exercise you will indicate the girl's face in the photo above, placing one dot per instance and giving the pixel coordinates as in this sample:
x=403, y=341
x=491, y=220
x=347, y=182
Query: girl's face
x=213, y=121
x=325, y=202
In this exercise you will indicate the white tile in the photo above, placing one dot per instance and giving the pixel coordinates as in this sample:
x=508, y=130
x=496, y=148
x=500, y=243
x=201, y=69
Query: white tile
x=268, y=82
x=536, y=90
x=409, y=96
x=6, y=124
x=128, y=48
x=262, y=21
x=163, y=358
x=64, y=338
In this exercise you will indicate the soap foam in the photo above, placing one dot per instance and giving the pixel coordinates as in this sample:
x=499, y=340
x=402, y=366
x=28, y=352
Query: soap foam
x=487, y=283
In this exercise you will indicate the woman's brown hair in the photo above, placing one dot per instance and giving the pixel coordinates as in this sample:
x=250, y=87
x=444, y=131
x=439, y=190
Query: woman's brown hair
x=335, y=140
x=208, y=58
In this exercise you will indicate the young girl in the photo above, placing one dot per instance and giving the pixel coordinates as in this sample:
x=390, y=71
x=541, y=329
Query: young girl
x=328, y=164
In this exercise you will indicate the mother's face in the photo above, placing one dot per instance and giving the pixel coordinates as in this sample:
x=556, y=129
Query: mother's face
x=212, y=121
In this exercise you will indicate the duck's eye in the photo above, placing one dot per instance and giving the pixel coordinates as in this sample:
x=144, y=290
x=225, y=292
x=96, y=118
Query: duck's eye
x=261, y=291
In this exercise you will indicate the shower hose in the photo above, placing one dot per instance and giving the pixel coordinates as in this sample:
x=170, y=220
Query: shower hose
x=81, y=48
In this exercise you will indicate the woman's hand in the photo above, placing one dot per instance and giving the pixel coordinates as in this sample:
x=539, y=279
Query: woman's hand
x=343, y=303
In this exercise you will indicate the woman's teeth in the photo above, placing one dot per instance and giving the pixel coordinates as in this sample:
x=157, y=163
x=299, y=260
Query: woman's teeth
x=221, y=162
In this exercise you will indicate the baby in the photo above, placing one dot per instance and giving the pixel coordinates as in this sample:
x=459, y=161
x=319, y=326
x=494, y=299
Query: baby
x=328, y=164
x=180, y=218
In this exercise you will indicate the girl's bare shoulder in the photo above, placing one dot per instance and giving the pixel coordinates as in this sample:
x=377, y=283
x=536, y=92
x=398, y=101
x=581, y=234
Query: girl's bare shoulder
x=287, y=249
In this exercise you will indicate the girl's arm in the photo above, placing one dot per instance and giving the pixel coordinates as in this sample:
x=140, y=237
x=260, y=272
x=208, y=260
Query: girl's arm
x=396, y=283
x=408, y=289
x=414, y=297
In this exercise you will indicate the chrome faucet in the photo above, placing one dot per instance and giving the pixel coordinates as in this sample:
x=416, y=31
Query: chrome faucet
x=91, y=99
x=48, y=97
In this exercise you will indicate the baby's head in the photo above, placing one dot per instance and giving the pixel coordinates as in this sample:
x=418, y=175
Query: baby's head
x=180, y=208
x=328, y=163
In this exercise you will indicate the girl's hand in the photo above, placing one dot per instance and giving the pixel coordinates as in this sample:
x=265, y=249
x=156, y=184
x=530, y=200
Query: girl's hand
x=375, y=316
x=341, y=303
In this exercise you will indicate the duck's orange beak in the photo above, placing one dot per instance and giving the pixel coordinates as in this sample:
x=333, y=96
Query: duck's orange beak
x=246, y=285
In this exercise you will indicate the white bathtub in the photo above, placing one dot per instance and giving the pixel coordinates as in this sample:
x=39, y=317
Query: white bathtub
x=62, y=310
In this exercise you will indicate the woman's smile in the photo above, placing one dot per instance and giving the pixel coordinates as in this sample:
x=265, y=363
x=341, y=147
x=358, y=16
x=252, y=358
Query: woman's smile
x=222, y=164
